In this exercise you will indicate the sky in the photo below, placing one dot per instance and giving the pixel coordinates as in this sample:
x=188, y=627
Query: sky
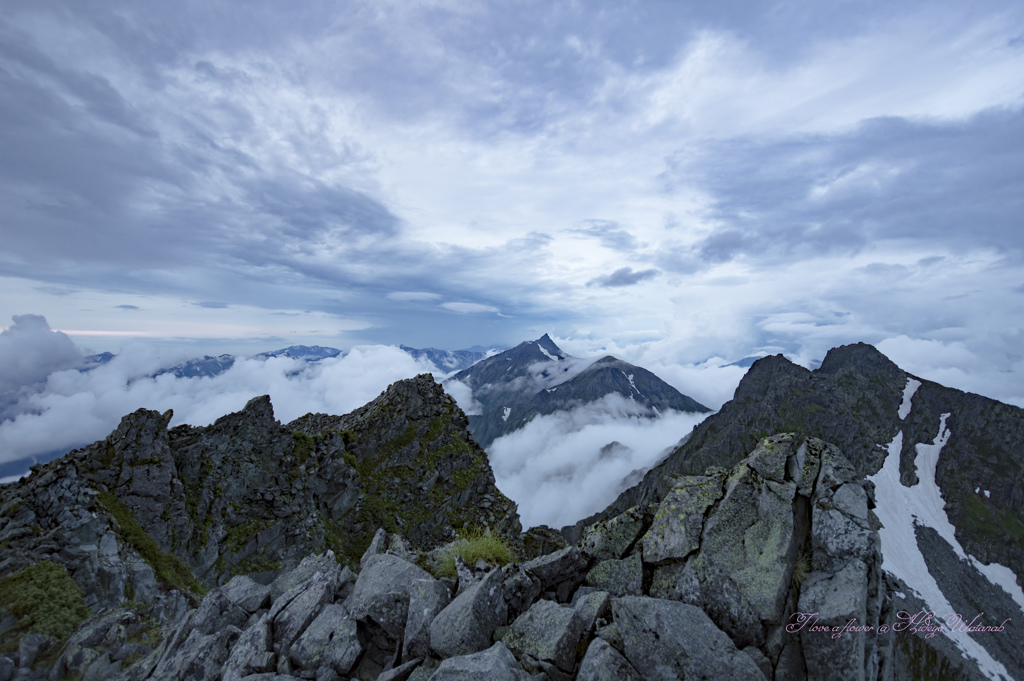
x=679, y=184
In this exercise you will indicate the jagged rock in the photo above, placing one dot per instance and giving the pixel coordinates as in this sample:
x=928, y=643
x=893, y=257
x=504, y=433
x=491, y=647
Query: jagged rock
x=217, y=611
x=252, y=652
x=618, y=577
x=603, y=663
x=401, y=672
x=562, y=571
x=548, y=632
x=246, y=593
x=541, y=540
x=669, y=640
x=466, y=625
x=309, y=566
x=741, y=573
x=400, y=597
x=495, y=664
x=330, y=640
x=612, y=538
x=835, y=599
x=521, y=589
x=590, y=606
x=296, y=608
x=679, y=521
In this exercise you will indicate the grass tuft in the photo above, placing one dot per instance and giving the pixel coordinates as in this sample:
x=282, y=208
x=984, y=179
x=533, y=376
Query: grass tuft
x=473, y=547
x=45, y=599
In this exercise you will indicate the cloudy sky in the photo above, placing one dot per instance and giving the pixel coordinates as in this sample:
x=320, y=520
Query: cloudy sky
x=672, y=181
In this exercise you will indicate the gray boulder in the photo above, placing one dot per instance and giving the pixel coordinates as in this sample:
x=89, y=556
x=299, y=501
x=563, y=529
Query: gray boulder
x=668, y=640
x=561, y=572
x=618, y=577
x=548, y=632
x=679, y=521
x=466, y=625
x=612, y=538
x=603, y=663
x=331, y=640
x=494, y=664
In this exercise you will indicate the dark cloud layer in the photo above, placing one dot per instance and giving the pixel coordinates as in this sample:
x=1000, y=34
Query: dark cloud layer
x=624, y=276
x=953, y=184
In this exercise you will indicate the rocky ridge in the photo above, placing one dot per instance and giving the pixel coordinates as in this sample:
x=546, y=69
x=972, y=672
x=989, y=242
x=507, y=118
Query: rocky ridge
x=707, y=584
x=774, y=565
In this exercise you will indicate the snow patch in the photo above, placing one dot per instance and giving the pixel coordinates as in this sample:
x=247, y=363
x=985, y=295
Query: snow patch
x=505, y=413
x=548, y=354
x=629, y=377
x=988, y=495
x=899, y=508
x=908, y=392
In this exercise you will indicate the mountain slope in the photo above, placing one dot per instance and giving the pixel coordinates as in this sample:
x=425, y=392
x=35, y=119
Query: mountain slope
x=537, y=378
x=945, y=469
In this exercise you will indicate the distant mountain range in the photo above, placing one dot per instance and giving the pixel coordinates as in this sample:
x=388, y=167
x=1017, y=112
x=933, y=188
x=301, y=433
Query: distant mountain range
x=538, y=378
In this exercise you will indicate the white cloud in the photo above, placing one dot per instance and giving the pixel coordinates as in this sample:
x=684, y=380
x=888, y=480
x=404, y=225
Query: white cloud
x=469, y=308
x=413, y=296
x=554, y=467
x=76, y=408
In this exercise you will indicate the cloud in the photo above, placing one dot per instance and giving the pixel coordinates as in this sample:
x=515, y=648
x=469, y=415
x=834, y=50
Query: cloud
x=76, y=408
x=610, y=233
x=127, y=307
x=560, y=468
x=413, y=296
x=212, y=305
x=469, y=308
x=624, y=276
x=29, y=352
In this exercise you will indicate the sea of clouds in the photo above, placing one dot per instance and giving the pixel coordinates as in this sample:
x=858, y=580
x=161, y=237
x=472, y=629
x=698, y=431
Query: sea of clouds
x=554, y=468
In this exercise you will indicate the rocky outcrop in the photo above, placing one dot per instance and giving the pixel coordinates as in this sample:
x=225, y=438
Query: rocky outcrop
x=155, y=517
x=714, y=582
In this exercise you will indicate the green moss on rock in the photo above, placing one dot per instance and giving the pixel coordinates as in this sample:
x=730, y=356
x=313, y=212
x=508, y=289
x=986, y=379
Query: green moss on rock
x=46, y=600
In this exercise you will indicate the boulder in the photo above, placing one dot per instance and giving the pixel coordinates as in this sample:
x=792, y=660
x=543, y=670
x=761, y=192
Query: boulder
x=466, y=625
x=494, y=664
x=668, y=640
x=612, y=538
x=603, y=663
x=679, y=521
x=562, y=571
x=331, y=640
x=549, y=632
x=618, y=577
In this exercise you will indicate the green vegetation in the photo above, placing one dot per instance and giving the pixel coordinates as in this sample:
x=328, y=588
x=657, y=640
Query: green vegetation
x=801, y=569
x=304, y=446
x=256, y=564
x=986, y=521
x=239, y=536
x=45, y=599
x=473, y=547
x=168, y=568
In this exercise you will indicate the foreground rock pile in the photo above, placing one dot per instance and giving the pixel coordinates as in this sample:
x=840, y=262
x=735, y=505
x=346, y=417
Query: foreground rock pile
x=700, y=586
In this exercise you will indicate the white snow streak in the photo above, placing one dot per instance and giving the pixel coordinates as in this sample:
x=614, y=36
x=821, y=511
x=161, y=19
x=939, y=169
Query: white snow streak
x=899, y=508
x=505, y=415
x=629, y=377
x=549, y=355
x=908, y=393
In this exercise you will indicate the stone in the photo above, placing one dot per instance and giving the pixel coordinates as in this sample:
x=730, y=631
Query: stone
x=541, y=540
x=300, y=605
x=603, y=663
x=465, y=625
x=400, y=597
x=549, y=632
x=217, y=611
x=612, y=538
x=330, y=640
x=246, y=593
x=618, y=577
x=679, y=521
x=590, y=606
x=309, y=565
x=562, y=571
x=521, y=589
x=668, y=640
x=494, y=664
x=402, y=672
x=835, y=600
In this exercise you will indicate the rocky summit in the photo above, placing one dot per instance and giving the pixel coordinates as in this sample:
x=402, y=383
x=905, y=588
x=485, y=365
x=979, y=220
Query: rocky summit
x=375, y=545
